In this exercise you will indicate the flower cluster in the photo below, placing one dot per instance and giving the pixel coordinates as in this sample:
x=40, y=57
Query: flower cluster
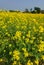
x=21, y=38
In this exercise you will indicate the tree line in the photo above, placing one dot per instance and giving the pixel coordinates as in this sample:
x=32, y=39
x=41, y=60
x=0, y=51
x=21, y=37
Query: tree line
x=35, y=10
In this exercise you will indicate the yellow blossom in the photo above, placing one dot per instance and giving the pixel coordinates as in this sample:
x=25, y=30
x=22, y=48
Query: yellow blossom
x=31, y=41
x=41, y=46
x=37, y=61
x=14, y=63
x=42, y=42
x=24, y=49
x=24, y=27
x=28, y=35
x=33, y=38
x=4, y=26
x=1, y=59
x=29, y=62
x=16, y=54
x=34, y=20
x=26, y=54
x=17, y=26
x=41, y=29
x=18, y=34
x=34, y=28
x=27, y=40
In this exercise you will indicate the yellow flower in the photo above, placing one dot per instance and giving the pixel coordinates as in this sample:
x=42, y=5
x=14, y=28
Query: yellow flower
x=20, y=63
x=34, y=20
x=42, y=42
x=14, y=63
x=41, y=46
x=16, y=54
x=37, y=61
x=41, y=29
x=4, y=26
x=1, y=59
x=23, y=27
x=31, y=41
x=28, y=35
x=26, y=54
x=34, y=28
x=17, y=26
x=33, y=38
x=24, y=49
x=27, y=40
x=29, y=62
x=18, y=34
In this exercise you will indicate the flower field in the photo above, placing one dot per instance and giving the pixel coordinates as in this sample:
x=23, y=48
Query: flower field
x=21, y=39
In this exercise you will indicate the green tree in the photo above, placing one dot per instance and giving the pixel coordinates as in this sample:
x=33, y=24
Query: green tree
x=26, y=10
x=37, y=9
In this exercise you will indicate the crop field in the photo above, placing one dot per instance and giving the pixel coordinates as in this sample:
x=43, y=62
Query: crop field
x=21, y=38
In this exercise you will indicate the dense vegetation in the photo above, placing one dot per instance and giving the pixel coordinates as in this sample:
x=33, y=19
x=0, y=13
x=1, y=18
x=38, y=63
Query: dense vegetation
x=35, y=10
x=21, y=38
